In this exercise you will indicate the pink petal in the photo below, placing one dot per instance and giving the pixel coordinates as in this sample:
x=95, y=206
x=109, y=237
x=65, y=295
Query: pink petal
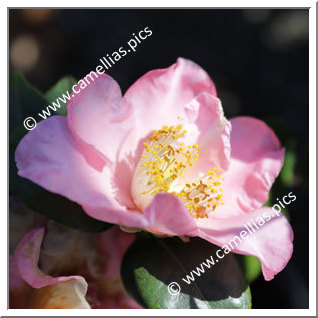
x=96, y=257
x=168, y=215
x=99, y=117
x=47, y=291
x=211, y=131
x=159, y=96
x=271, y=243
x=130, y=218
x=27, y=256
x=49, y=157
x=101, y=120
x=256, y=160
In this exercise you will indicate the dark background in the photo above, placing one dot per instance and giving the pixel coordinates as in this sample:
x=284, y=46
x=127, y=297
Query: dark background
x=258, y=59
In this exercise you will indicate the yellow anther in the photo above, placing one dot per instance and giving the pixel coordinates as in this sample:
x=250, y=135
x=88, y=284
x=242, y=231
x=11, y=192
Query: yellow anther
x=166, y=160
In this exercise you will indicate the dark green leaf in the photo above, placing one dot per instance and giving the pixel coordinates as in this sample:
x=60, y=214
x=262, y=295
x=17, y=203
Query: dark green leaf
x=24, y=101
x=151, y=264
x=63, y=85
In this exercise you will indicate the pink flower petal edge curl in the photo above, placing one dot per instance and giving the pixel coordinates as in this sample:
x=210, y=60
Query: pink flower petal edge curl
x=97, y=156
x=59, y=250
x=31, y=288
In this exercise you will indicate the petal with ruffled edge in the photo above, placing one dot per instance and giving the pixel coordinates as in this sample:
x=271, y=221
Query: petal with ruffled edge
x=256, y=160
x=270, y=241
x=95, y=257
x=49, y=157
x=117, y=127
x=168, y=97
x=207, y=127
x=160, y=96
x=99, y=117
x=103, y=120
x=47, y=291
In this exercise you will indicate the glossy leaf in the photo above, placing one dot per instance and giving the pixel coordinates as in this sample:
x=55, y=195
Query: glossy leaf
x=151, y=264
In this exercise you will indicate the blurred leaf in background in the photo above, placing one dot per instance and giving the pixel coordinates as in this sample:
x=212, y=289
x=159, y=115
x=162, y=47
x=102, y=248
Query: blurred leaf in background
x=63, y=85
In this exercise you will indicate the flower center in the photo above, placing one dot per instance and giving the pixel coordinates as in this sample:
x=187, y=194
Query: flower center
x=161, y=168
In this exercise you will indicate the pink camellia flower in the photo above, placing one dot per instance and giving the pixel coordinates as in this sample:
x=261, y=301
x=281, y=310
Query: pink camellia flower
x=62, y=251
x=165, y=159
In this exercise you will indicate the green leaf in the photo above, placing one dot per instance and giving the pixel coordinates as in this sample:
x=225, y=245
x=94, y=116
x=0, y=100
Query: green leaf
x=24, y=101
x=63, y=85
x=251, y=266
x=287, y=174
x=151, y=264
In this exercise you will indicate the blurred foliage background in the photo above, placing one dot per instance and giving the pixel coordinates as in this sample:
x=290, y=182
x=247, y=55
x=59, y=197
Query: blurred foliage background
x=258, y=60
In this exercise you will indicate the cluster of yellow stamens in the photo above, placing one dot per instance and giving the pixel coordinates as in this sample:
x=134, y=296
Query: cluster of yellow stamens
x=161, y=167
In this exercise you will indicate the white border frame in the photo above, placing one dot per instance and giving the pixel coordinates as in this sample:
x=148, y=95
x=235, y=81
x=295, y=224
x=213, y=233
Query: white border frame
x=312, y=160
